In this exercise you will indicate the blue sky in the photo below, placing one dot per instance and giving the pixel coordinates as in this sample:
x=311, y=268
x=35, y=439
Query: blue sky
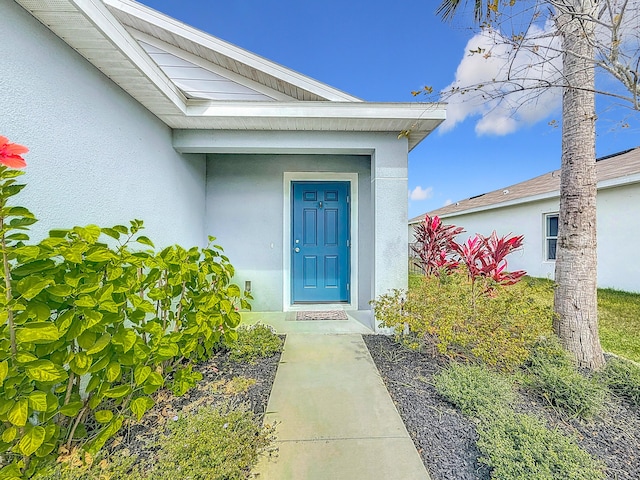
x=380, y=51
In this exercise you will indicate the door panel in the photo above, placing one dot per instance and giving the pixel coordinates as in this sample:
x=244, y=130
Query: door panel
x=320, y=268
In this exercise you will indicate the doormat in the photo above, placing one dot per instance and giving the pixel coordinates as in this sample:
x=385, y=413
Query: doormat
x=326, y=315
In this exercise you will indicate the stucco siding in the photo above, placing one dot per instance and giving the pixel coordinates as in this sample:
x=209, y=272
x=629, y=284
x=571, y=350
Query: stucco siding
x=97, y=156
x=527, y=220
x=618, y=222
x=246, y=212
x=618, y=234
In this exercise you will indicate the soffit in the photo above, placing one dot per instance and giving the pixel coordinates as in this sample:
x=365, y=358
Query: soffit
x=91, y=28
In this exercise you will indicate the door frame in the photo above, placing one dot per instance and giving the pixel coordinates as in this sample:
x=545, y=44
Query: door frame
x=287, y=251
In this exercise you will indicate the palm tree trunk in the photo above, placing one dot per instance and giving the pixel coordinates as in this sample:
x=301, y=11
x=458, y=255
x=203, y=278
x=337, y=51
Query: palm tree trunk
x=575, y=301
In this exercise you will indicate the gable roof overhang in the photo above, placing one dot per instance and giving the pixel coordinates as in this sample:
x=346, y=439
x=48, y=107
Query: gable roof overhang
x=107, y=34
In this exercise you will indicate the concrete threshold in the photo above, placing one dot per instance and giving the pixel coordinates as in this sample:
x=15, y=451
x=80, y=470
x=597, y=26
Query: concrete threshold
x=285, y=322
x=335, y=419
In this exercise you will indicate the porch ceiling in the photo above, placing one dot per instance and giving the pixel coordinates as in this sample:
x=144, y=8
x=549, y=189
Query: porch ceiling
x=103, y=35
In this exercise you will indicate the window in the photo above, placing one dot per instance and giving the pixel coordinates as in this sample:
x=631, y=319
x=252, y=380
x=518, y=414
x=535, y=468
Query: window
x=551, y=235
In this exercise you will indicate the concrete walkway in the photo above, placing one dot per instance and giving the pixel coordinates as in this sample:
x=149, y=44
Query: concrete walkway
x=335, y=418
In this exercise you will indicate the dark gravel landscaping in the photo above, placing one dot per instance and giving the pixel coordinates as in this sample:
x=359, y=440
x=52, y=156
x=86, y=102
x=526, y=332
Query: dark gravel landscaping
x=446, y=439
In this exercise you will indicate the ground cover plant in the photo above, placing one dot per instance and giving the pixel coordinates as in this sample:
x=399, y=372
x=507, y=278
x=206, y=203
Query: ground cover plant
x=94, y=323
x=214, y=431
x=623, y=379
x=552, y=374
x=447, y=439
x=531, y=414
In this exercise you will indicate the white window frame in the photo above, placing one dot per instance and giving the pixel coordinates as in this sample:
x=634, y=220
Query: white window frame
x=548, y=237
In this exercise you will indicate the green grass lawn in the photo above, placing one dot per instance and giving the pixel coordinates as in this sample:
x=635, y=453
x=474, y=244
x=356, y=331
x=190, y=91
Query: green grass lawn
x=618, y=315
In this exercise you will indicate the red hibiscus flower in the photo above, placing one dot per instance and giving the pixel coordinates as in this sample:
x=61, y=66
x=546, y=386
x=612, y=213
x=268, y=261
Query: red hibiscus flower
x=10, y=153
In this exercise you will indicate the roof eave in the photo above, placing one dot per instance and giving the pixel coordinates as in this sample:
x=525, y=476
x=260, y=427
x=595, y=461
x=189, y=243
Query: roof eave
x=414, y=120
x=602, y=185
x=94, y=24
x=229, y=50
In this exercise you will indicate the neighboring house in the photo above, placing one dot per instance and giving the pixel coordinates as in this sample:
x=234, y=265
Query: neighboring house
x=531, y=209
x=131, y=114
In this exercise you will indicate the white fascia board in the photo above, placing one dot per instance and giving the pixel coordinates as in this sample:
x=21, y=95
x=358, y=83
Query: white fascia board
x=603, y=185
x=227, y=49
x=96, y=12
x=201, y=62
x=343, y=110
x=533, y=198
x=620, y=181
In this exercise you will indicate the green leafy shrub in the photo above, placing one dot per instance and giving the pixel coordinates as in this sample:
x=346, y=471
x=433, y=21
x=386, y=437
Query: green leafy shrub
x=448, y=315
x=253, y=342
x=93, y=323
x=215, y=443
x=623, y=378
x=518, y=446
x=474, y=389
x=552, y=374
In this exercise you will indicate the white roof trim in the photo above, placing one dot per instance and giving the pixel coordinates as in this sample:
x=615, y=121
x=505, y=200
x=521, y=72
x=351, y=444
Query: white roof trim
x=605, y=184
x=236, y=53
x=360, y=110
x=96, y=12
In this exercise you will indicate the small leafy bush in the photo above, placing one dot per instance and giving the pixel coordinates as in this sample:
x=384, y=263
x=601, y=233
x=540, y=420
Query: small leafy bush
x=444, y=314
x=215, y=443
x=462, y=306
x=623, y=378
x=553, y=375
x=255, y=341
x=474, y=389
x=518, y=446
x=93, y=321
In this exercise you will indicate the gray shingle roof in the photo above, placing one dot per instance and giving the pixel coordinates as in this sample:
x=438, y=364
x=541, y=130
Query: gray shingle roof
x=611, y=167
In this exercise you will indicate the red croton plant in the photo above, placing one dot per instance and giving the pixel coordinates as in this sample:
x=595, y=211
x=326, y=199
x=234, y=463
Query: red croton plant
x=483, y=257
x=434, y=245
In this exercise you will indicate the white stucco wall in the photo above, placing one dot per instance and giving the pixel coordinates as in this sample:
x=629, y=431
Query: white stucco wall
x=245, y=212
x=618, y=234
x=97, y=156
x=618, y=228
x=526, y=219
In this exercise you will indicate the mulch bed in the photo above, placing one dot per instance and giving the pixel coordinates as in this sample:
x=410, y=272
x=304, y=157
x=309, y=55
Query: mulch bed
x=140, y=438
x=446, y=439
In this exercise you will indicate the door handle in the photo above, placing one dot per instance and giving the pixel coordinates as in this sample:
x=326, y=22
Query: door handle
x=297, y=250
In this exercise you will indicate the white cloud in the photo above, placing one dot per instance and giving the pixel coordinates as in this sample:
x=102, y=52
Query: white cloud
x=499, y=70
x=420, y=193
x=447, y=202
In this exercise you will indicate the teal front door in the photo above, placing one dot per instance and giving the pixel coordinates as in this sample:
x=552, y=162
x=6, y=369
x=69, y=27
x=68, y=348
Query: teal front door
x=320, y=250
